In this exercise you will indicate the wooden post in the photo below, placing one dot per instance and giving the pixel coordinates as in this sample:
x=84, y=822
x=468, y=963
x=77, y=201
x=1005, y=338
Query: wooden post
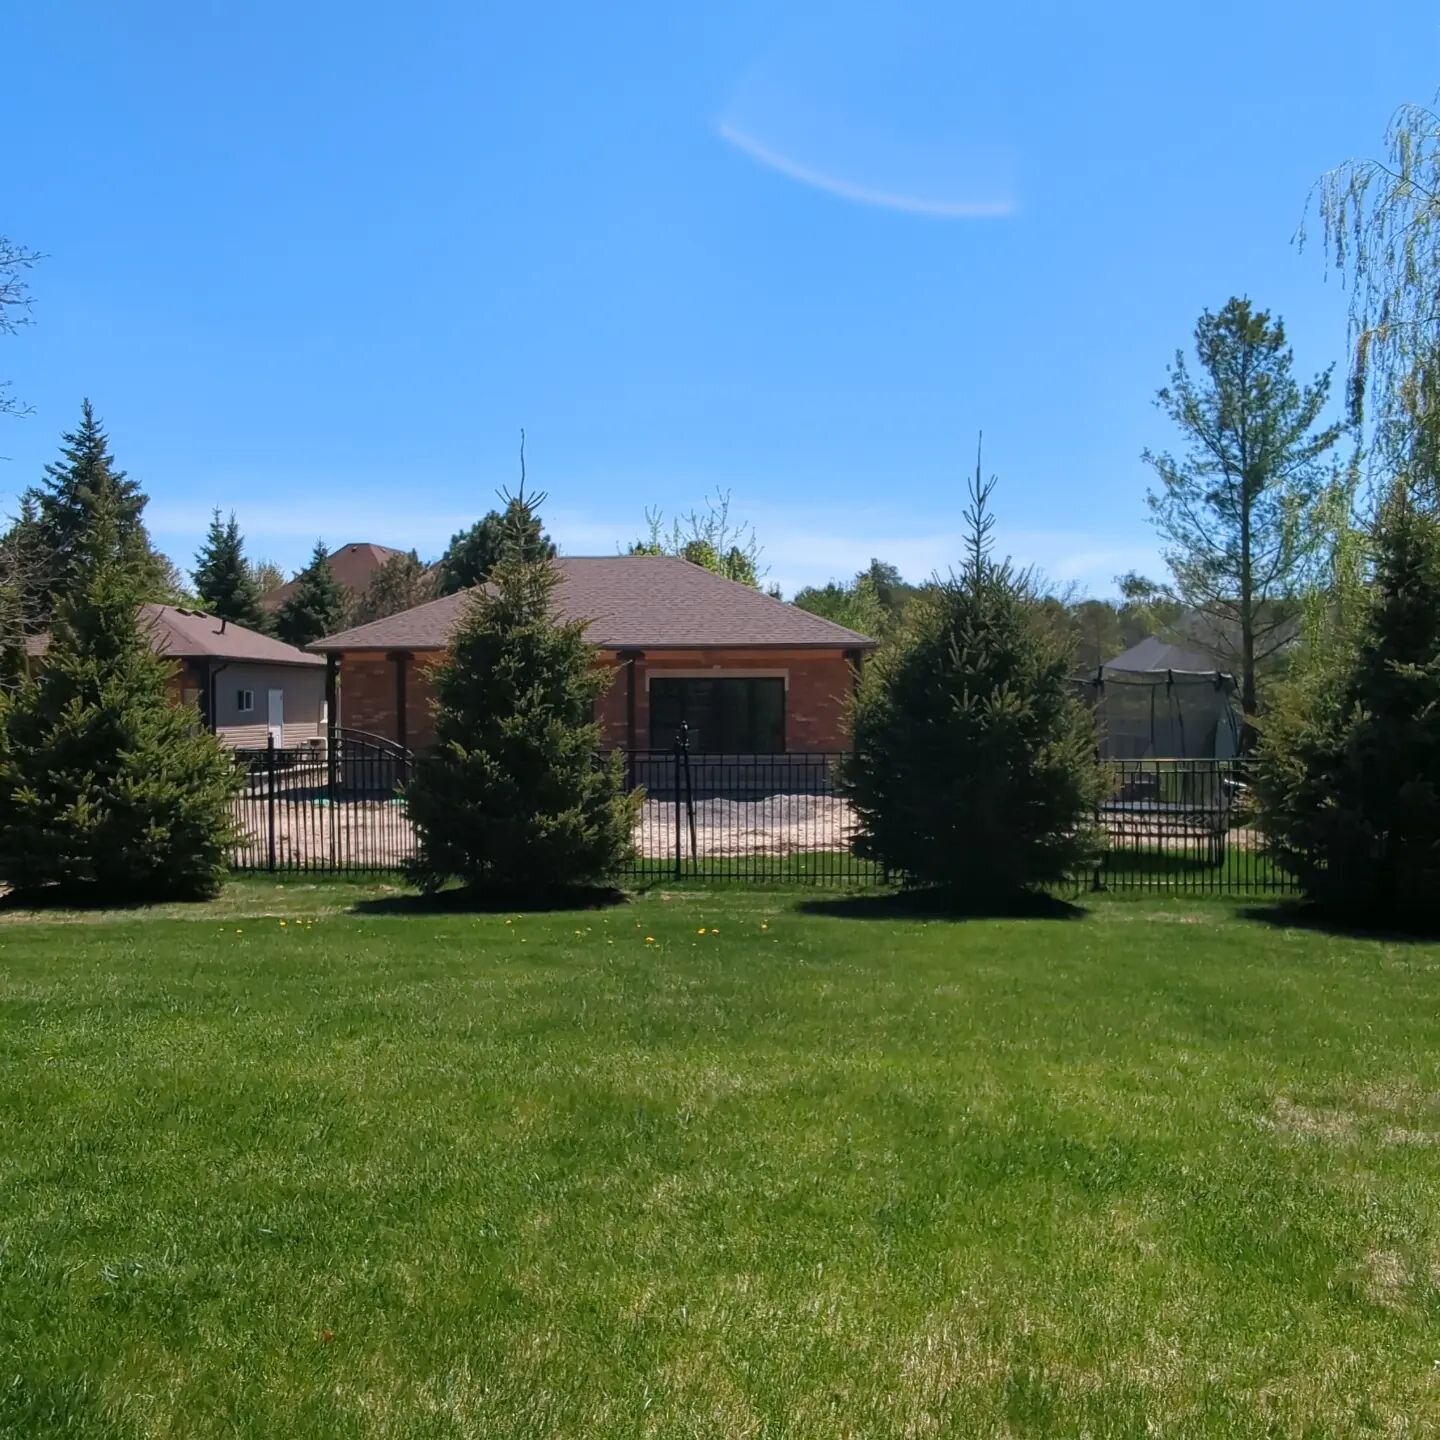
x=402, y=720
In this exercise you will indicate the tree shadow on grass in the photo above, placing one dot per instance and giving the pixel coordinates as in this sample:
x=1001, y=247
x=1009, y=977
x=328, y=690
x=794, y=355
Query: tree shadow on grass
x=481, y=902
x=1303, y=915
x=941, y=905
x=51, y=899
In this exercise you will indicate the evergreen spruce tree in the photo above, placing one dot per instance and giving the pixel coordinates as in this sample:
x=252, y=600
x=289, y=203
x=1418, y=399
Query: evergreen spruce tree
x=224, y=583
x=473, y=554
x=974, y=766
x=1349, y=768
x=108, y=787
x=512, y=800
x=319, y=604
x=67, y=498
x=22, y=611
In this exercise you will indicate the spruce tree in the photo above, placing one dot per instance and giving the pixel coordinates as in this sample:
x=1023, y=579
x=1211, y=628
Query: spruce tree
x=1349, y=768
x=974, y=768
x=224, y=583
x=109, y=789
x=67, y=499
x=22, y=607
x=473, y=554
x=319, y=605
x=513, y=800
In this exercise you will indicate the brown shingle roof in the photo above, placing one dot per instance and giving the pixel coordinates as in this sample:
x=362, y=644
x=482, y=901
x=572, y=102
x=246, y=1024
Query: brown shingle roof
x=193, y=635
x=352, y=565
x=641, y=602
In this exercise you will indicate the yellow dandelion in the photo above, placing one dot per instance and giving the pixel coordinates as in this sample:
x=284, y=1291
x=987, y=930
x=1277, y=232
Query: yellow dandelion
x=282, y=924
x=701, y=930
x=649, y=939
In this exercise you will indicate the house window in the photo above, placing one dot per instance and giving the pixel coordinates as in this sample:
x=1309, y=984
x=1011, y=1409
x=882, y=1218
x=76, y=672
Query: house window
x=723, y=717
x=244, y=702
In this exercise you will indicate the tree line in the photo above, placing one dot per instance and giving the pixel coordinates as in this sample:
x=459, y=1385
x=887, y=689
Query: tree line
x=967, y=712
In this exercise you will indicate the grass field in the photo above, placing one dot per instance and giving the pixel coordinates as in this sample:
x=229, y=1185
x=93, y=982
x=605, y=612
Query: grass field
x=739, y=1164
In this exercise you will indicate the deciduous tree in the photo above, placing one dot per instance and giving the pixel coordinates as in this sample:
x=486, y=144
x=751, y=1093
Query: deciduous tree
x=15, y=261
x=1237, y=508
x=708, y=538
x=401, y=583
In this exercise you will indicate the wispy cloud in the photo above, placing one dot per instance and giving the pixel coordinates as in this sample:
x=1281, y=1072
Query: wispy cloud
x=998, y=208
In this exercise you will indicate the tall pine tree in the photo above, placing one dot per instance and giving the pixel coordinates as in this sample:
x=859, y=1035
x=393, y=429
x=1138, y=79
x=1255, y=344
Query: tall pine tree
x=109, y=789
x=512, y=800
x=65, y=502
x=973, y=767
x=1349, y=771
x=319, y=605
x=224, y=583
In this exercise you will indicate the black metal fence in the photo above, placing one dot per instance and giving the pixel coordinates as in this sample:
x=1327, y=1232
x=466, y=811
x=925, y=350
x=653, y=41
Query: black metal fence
x=1168, y=825
x=327, y=809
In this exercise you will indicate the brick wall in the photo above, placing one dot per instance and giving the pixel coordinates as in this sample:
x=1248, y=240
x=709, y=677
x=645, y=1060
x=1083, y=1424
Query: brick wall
x=818, y=687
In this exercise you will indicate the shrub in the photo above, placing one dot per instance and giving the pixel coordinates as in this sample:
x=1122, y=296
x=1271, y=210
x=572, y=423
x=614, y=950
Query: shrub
x=512, y=799
x=1349, y=763
x=109, y=790
x=974, y=762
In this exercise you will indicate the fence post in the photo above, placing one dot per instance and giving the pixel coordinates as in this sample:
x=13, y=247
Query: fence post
x=689, y=789
x=679, y=843
x=270, y=794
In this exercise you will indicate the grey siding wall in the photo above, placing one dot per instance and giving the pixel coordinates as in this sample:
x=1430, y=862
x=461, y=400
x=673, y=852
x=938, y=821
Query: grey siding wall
x=304, y=691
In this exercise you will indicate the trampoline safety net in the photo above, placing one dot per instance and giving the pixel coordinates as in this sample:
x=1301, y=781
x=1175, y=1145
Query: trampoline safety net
x=1164, y=714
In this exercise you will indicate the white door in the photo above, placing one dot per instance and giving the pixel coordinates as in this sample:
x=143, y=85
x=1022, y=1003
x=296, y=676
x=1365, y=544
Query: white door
x=275, y=717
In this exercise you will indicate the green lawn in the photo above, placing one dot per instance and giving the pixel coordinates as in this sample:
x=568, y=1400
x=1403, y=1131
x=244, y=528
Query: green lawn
x=1162, y=1170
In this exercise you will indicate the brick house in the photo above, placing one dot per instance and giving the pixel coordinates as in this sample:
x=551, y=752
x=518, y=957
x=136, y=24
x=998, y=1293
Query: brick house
x=353, y=566
x=745, y=673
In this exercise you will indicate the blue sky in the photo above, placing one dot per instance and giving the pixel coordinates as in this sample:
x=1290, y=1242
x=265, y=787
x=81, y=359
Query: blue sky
x=321, y=262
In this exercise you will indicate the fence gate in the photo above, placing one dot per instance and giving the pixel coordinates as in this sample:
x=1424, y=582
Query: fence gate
x=324, y=808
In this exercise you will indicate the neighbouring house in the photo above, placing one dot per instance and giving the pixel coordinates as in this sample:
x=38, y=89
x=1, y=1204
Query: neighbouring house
x=746, y=674
x=353, y=565
x=246, y=686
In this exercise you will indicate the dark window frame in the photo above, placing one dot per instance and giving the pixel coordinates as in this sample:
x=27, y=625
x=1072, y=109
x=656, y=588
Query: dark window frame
x=664, y=719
